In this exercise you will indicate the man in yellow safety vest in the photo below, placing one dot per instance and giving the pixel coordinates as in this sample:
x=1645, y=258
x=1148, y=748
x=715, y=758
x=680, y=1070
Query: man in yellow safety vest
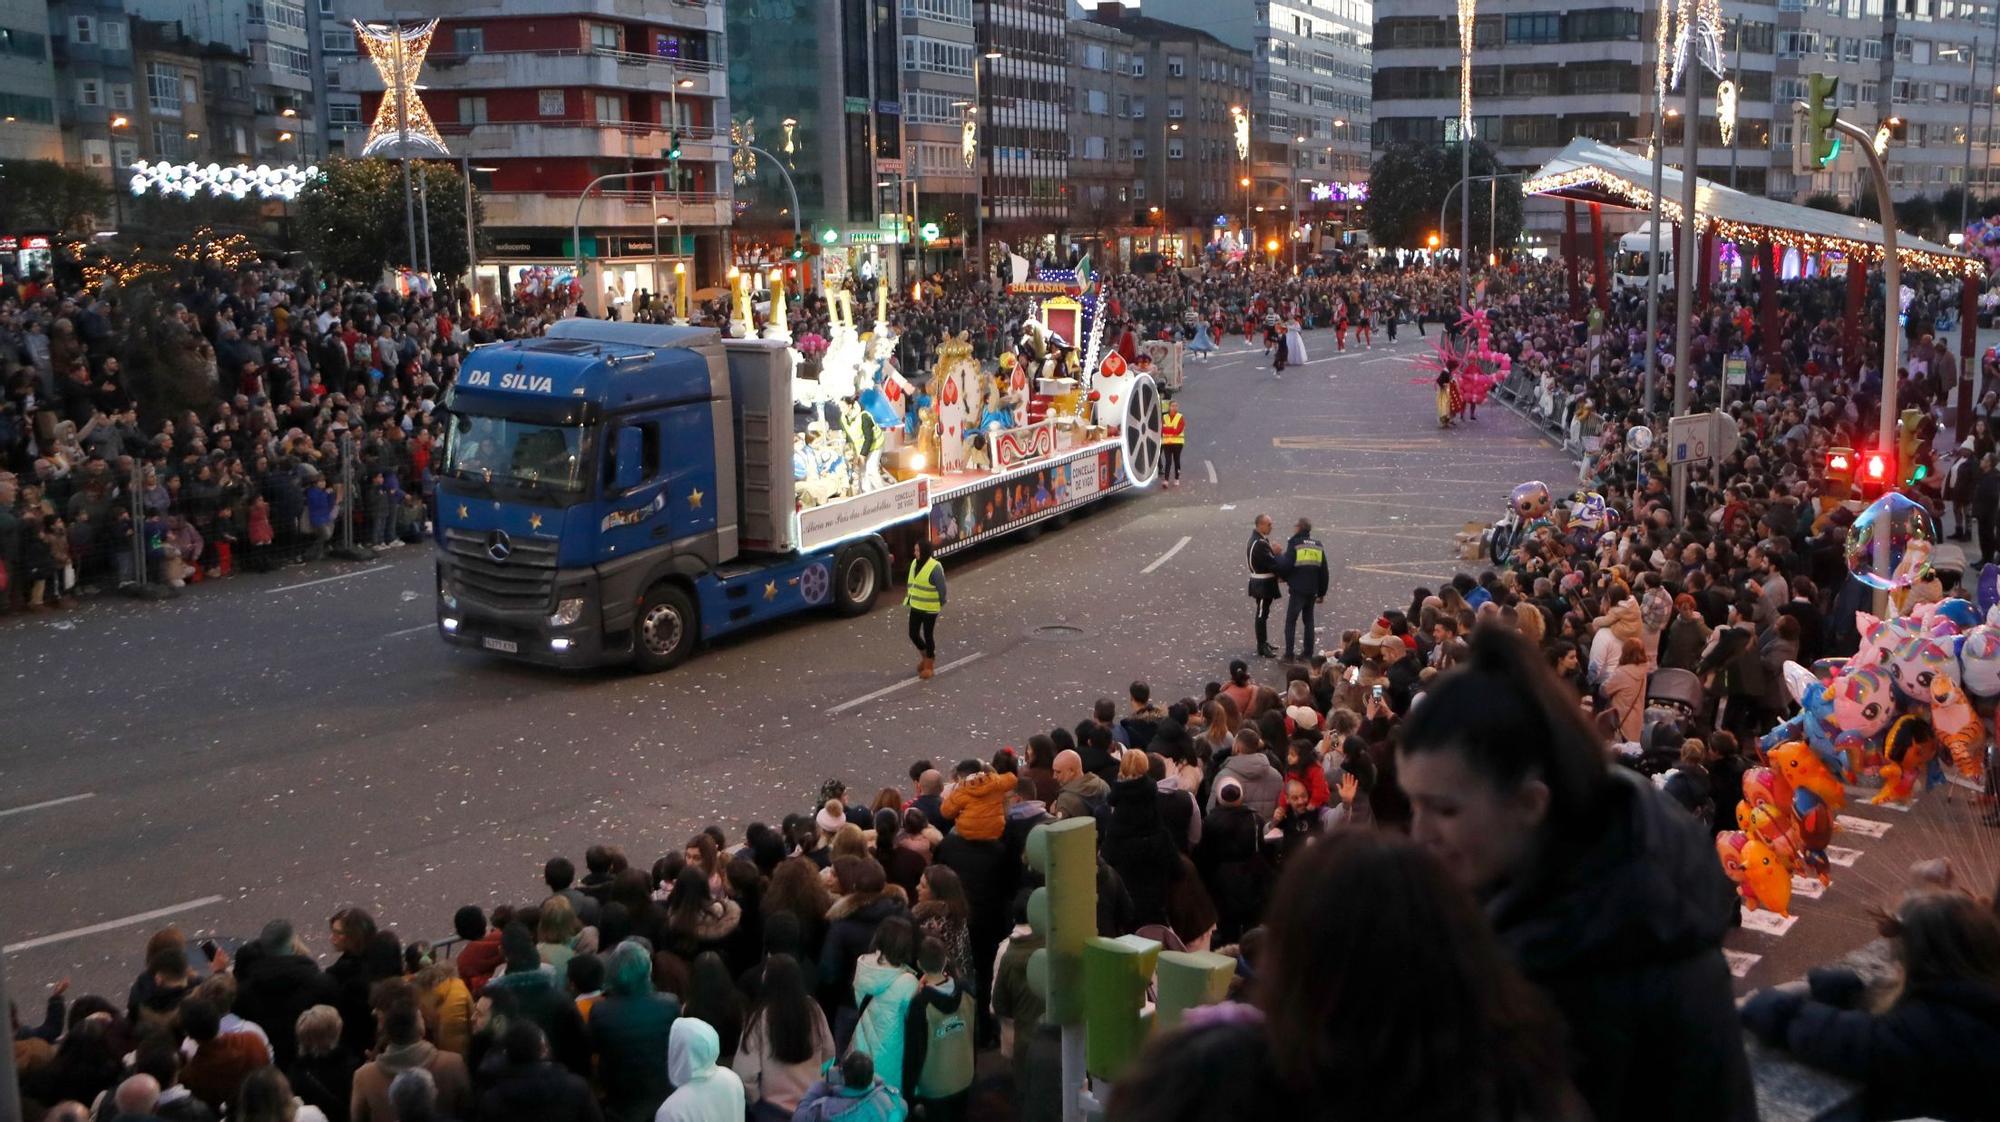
x=925, y=599
x=1173, y=438
x=1305, y=571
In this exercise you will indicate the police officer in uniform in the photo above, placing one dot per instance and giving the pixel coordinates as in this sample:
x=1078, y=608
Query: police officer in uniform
x=925, y=599
x=1263, y=561
x=1304, y=568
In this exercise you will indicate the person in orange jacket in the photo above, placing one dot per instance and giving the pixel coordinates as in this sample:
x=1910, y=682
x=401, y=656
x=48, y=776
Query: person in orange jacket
x=977, y=804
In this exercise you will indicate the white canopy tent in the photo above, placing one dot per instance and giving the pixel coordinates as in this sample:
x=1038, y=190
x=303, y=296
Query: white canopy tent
x=1591, y=171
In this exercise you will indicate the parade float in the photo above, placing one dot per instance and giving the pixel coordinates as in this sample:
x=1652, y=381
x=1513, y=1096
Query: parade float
x=980, y=451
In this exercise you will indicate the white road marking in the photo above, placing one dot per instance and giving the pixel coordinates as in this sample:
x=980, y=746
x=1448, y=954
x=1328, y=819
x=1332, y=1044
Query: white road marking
x=47, y=804
x=1768, y=923
x=1210, y=465
x=109, y=925
x=894, y=686
x=1391, y=358
x=411, y=630
x=1168, y=555
x=325, y=580
x=1229, y=506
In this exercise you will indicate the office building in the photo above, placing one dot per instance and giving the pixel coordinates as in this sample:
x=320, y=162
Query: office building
x=941, y=71
x=27, y=83
x=279, y=82
x=1311, y=119
x=1023, y=92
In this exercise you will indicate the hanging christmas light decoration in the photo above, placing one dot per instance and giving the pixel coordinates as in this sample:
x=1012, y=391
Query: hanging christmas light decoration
x=1466, y=15
x=742, y=161
x=1663, y=57
x=1725, y=110
x=791, y=146
x=968, y=140
x=1699, y=29
x=398, y=54
x=240, y=181
x=1242, y=131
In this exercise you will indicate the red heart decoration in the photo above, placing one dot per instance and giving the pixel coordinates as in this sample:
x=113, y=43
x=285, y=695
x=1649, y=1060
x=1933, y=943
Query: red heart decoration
x=1114, y=399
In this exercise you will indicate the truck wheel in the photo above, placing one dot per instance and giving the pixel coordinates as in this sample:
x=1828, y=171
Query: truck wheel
x=857, y=580
x=667, y=627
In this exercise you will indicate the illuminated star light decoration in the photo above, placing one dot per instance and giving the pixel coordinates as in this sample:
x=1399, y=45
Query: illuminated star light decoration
x=968, y=140
x=1725, y=110
x=1466, y=14
x=386, y=132
x=742, y=161
x=236, y=182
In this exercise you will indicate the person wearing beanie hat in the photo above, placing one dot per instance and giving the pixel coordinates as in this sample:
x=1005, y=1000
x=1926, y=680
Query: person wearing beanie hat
x=275, y=982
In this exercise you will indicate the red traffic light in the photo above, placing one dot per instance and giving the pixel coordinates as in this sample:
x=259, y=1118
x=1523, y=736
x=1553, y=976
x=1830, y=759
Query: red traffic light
x=1838, y=462
x=1877, y=467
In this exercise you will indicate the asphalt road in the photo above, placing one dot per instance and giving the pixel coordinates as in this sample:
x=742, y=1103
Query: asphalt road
x=286, y=744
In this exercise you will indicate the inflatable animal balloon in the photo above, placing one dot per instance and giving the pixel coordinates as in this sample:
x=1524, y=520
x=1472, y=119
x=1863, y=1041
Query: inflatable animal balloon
x=1879, y=639
x=1864, y=701
x=1907, y=755
x=1767, y=884
x=1960, y=614
x=1530, y=501
x=1915, y=662
x=1814, y=722
x=1766, y=786
x=1959, y=730
x=1979, y=662
x=1803, y=771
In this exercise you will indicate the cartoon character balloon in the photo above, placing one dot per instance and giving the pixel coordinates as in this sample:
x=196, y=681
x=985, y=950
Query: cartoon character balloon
x=1639, y=438
x=1907, y=755
x=1530, y=501
x=1958, y=728
x=1979, y=662
x=1915, y=662
x=1761, y=878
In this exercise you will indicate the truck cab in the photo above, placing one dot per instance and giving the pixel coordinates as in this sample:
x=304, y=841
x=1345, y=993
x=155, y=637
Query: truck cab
x=593, y=495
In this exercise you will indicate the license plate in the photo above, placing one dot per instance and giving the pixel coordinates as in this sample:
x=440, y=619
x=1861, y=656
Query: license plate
x=504, y=646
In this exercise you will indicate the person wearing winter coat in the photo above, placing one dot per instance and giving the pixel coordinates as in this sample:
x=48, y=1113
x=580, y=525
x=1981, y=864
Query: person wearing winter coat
x=1625, y=690
x=851, y=924
x=1083, y=792
x=885, y=982
x=526, y=1087
x=1261, y=782
x=407, y=1050
x=786, y=1042
x=275, y=983
x=631, y=1029
x=1136, y=843
x=977, y=805
x=852, y=1092
x=938, y=1055
x=704, y=1091
x=1607, y=896
x=1231, y=862
x=1935, y=1051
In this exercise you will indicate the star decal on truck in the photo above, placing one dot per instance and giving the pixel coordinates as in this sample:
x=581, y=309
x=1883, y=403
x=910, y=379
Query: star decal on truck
x=770, y=590
x=694, y=499
x=534, y=522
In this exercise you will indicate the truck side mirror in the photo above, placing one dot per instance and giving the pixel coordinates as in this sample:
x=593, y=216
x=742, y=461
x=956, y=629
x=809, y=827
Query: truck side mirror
x=630, y=469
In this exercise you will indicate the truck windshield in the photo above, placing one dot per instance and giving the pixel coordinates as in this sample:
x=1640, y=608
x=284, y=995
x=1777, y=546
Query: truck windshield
x=499, y=449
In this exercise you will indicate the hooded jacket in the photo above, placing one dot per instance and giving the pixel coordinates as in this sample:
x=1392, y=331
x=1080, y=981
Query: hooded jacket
x=1263, y=784
x=1078, y=794
x=852, y=923
x=887, y=991
x=370, y=1096
x=877, y=1102
x=1623, y=931
x=977, y=807
x=703, y=1091
x=1137, y=845
x=630, y=1032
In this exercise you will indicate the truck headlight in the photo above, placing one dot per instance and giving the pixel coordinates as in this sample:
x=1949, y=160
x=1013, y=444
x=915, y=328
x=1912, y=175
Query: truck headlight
x=448, y=595
x=567, y=611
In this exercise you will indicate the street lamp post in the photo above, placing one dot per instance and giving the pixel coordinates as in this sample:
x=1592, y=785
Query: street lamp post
x=980, y=161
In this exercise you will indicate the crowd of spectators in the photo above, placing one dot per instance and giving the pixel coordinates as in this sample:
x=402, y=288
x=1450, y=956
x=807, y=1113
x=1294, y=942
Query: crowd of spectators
x=1436, y=791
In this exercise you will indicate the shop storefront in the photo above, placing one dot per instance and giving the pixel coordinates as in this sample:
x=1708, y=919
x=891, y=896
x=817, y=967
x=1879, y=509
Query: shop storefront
x=25, y=255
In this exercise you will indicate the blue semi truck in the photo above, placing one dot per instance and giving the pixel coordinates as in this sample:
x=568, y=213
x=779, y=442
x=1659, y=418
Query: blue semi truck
x=619, y=493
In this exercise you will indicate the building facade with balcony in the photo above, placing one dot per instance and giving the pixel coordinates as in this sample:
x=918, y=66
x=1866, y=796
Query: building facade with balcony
x=941, y=71
x=551, y=94
x=1023, y=96
x=96, y=87
x=171, y=122
x=278, y=79
x=1311, y=98
x=1107, y=70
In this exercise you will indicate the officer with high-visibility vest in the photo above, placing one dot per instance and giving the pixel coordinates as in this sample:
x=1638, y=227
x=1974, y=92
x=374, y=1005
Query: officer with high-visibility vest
x=1305, y=572
x=925, y=599
x=1173, y=438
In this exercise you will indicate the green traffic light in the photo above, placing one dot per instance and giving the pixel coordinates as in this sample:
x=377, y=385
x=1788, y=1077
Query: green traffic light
x=1821, y=109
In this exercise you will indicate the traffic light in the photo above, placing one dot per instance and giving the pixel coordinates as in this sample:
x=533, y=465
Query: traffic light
x=673, y=145
x=798, y=248
x=1116, y=973
x=1906, y=445
x=930, y=231
x=1821, y=106
x=1063, y=912
x=1839, y=471
x=1875, y=469
x=829, y=235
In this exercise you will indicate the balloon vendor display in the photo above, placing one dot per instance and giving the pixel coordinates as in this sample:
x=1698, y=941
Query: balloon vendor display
x=1908, y=703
